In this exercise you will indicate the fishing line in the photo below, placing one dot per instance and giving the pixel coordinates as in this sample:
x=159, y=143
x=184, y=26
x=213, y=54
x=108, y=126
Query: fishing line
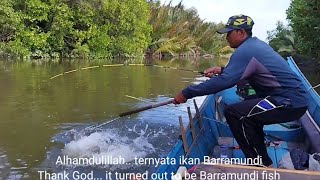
x=102, y=124
x=118, y=65
x=90, y=129
x=85, y=68
x=139, y=99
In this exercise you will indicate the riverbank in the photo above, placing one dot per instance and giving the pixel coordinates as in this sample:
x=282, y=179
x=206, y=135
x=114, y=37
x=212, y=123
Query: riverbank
x=309, y=66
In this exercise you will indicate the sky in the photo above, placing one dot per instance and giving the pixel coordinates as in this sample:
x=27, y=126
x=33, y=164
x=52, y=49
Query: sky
x=265, y=13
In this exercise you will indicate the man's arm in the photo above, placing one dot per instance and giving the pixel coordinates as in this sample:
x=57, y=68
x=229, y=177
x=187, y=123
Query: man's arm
x=231, y=74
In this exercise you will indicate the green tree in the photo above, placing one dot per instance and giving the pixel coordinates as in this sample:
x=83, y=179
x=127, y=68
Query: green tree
x=281, y=39
x=304, y=19
x=130, y=30
x=86, y=28
x=178, y=30
x=60, y=23
x=10, y=27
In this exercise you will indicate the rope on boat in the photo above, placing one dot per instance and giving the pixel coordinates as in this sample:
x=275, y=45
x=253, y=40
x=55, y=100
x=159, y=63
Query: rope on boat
x=117, y=65
x=211, y=119
x=316, y=86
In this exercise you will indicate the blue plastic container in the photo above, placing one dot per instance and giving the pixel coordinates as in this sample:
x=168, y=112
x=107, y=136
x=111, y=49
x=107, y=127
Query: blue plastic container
x=224, y=151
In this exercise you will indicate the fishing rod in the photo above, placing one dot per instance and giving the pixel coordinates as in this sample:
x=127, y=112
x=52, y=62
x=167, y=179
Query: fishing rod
x=210, y=119
x=140, y=110
x=118, y=65
x=132, y=111
x=146, y=108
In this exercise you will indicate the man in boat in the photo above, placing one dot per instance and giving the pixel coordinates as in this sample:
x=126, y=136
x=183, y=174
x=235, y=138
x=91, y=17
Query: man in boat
x=280, y=94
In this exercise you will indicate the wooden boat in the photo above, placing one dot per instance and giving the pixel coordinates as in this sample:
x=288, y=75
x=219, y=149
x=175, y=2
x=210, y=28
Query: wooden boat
x=207, y=135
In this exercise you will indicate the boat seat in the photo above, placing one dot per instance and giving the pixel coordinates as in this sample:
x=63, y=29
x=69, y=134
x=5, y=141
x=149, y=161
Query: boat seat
x=312, y=131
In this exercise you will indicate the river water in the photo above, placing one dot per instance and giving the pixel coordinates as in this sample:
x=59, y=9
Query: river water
x=44, y=117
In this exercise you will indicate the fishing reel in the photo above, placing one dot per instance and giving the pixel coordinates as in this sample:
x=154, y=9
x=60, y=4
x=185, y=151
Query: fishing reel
x=246, y=91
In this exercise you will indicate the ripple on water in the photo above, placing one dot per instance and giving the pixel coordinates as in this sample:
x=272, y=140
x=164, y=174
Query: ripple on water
x=149, y=134
x=126, y=139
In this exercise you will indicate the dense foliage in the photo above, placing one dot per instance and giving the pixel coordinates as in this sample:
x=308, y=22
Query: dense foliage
x=304, y=18
x=103, y=29
x=282, y=39
x=179, y=30
x=74, y=28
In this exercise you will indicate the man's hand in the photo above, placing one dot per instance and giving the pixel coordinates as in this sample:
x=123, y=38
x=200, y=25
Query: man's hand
x=212, y=71
x=179, y=99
